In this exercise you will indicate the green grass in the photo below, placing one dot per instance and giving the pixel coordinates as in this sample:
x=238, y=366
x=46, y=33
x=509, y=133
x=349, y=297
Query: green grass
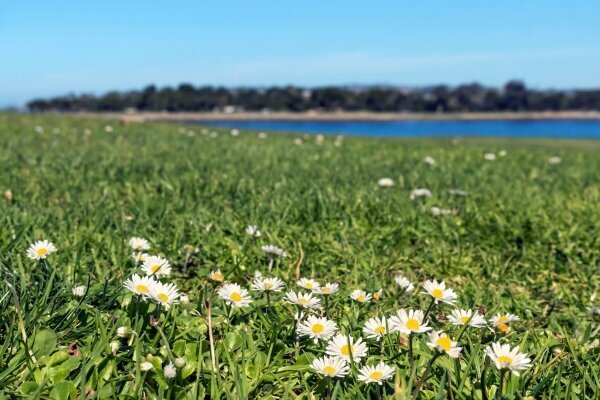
x=524, y=240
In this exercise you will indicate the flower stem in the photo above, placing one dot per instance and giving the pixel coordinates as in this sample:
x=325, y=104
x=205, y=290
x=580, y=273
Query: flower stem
x=210, y=335
x=429, y=309
x=424, y=377
x=410, y=349
x=501, y=385
x=164, y=338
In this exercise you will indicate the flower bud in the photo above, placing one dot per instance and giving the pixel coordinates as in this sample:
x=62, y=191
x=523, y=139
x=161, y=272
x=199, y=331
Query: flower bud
x=124, y=332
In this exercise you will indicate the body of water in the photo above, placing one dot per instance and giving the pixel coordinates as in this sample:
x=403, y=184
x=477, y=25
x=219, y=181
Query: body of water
x=567, y=129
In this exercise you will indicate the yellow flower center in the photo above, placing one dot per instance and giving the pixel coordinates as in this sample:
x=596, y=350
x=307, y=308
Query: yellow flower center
x=464, y=319
x=376, y=375
x=329, y=370
x=325, y=290
x=375, y=296
x=505, y=361
x=235, y=296
x=318, y=328
x=163, y=297
x=380, y=329
x=155, y=268
x=308, y=285
x=361, y=298
x=42, y=252
x=302, y=300
x=346, y=350
x=445, y=343
x=413, y=324
x=268, y=285
x=142, y=288
x=502, y=320
x=437, y=293
x=503, y=328
x=217, y=277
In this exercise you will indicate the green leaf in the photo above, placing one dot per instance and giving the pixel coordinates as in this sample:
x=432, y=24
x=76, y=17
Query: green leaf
x=44, y=343
x=63, y=391
x=28, y=387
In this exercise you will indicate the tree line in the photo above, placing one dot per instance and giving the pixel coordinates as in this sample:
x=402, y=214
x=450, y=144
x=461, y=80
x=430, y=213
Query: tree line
x=514, y=96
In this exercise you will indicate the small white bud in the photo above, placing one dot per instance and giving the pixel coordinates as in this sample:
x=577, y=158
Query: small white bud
x=146, y=366
x=170, y=371
x=124, y=332
x=180, y=362
x=78, y=291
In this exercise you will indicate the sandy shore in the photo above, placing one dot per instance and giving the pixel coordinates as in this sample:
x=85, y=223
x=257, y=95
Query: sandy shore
x=346, y=116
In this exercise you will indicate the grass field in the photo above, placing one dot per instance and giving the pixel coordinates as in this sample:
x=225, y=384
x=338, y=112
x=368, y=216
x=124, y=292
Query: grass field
x=524, y=240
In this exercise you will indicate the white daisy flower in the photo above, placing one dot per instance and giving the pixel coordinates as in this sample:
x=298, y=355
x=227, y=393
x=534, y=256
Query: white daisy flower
x=138, y=257
x=361, y=296
x=262, y=135
x=170, y=371
x=216, y=276
x=317, y=328
x=140, y=285
x=376, y=328
x=305, y=300
x=235, y=132
x=156, y=266
x=419, y=193
x=330, y=366
x=253, y=231
x=503, y=153
x=234, y=295
x=108, y=129
x=268, y=284
x=164, y=293
x=385, y=182
x=506, y=358
x=429, y=160
x=40, y=250
x=376, y=373
x=328, y=288
x=270, y=249
x=78, y=291
x=464, y=317
x=489, y=156
x=457, y=192
x=409, y=322
x=438, y=291
x=347, y=348
x=436, y=211
x=441, y=342
x=501, y=321
x=404, y=283
x=555, y=160
x=309, y=284
x=139, y=244
x=297, y=141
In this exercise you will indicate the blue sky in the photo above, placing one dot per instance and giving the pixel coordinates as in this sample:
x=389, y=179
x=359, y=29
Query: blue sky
x=56, y=47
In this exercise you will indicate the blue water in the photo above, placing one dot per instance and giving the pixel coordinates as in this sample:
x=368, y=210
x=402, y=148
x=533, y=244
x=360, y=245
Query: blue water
x=496, y=128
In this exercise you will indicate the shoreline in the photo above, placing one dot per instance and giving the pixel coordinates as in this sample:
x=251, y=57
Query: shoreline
x=342, y=116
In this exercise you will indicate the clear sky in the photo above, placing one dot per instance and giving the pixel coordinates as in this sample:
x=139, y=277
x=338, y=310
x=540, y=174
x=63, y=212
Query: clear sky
x=51, y=47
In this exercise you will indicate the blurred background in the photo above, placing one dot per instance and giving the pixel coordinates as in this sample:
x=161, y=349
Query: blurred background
x=268, y=57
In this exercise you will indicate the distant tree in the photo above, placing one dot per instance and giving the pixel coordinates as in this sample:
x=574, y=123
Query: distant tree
x=514, y=96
